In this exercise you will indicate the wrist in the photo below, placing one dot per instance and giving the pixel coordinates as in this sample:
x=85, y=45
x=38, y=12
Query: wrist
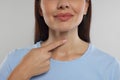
x=19, y=73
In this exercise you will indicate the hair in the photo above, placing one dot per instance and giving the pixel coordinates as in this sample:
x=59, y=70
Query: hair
x=42, y=30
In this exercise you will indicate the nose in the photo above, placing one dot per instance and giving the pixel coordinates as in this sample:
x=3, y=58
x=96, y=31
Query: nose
x=63, y=4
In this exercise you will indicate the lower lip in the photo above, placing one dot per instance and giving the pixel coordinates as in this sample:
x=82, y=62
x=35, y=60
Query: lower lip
x=63, y=18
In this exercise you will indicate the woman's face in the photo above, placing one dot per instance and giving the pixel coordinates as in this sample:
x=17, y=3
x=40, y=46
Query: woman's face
x=63, y=15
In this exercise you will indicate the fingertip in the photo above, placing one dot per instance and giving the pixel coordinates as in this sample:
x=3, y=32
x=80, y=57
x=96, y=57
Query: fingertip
x=64, y=41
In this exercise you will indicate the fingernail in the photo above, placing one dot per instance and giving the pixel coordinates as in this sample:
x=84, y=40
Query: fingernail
x=64, y=41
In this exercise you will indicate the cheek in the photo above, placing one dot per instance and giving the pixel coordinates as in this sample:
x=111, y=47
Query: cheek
x=79, y=10
x=78, y=6
x=47, y=7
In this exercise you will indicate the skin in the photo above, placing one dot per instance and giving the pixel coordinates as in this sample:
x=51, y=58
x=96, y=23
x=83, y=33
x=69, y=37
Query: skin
x=65, y=29
x=39, y=56
x=63, y=43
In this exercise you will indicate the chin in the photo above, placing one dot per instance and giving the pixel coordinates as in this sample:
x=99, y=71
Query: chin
x=64, y=29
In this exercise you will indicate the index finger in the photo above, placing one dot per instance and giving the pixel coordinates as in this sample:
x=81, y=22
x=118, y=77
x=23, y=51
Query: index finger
x=54, y=45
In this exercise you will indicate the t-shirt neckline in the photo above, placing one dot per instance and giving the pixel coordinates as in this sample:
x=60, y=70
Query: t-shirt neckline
x=84, y=56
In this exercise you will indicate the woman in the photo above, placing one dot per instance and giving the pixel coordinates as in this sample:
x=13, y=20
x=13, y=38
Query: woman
x=62, y=50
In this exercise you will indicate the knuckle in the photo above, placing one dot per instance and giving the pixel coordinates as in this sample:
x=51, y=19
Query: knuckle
x=49, y=55
x=48, y=62
x=42, y=49
x=46, y=69
x=45, y=56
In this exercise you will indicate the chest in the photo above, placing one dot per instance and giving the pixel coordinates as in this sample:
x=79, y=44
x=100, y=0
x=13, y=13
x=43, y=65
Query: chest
x=70, y=71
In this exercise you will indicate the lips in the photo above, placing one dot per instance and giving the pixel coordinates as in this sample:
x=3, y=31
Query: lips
x=63, y=16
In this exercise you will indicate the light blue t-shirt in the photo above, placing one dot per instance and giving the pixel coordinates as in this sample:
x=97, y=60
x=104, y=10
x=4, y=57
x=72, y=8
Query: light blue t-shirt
x=93, y=65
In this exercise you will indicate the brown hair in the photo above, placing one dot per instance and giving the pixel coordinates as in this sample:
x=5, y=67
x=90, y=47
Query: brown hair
x=41, y=28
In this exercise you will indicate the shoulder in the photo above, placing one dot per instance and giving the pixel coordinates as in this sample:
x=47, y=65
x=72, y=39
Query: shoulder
x=104, y=63
x=20, y=52
x=100, y=58
x=100, y=55
x=14, y=57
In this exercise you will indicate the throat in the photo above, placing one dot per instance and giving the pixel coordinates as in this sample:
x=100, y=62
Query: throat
x=66, y=57
x=70, y=53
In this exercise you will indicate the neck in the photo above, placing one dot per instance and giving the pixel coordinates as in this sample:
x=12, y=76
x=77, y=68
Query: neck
x=74, y=44
x=70, y=36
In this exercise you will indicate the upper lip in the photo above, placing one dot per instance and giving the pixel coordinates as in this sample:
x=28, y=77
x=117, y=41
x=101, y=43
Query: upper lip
x=63, y=14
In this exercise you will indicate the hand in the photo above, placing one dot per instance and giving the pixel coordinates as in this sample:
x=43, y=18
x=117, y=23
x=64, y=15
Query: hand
x=37, y=61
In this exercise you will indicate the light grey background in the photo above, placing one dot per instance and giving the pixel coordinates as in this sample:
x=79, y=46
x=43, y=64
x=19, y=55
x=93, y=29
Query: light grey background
x=17, y=25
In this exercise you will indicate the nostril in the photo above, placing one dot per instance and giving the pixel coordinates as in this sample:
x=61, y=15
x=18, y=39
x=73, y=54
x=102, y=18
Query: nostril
x=63, y=4
x=67, y=6
x=60, y=7
x=63, y=7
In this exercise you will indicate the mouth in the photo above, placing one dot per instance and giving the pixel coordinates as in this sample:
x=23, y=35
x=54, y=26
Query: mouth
x=63, y=16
